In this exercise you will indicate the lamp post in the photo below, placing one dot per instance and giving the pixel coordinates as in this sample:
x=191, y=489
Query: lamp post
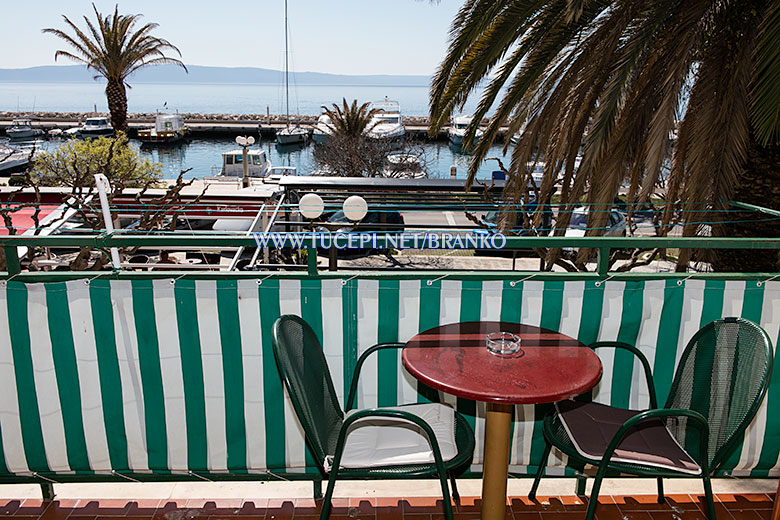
x=245, y=142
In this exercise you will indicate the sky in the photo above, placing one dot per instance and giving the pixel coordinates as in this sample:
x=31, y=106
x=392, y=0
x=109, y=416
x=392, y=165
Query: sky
x=332, y=36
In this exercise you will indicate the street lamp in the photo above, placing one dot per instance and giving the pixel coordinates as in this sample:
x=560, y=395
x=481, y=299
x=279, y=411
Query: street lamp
x=245, y=142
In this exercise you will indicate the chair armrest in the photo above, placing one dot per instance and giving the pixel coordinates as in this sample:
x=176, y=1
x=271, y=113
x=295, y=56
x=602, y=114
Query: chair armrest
x=648, y=415
x=383, y=412
x=349, y=404
x=642, y=359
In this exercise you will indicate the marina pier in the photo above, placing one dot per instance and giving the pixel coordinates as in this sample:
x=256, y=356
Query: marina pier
x=206, y=125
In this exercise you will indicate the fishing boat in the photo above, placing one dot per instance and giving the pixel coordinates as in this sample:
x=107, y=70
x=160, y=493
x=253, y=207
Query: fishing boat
x=386, y=122
x=258, y=166
x=23, y=129
x=168, y=128
x=96, y=127
x=289, y=134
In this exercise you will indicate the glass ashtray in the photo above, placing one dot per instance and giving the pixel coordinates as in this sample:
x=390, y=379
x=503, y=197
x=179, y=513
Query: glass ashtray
x=503, y=344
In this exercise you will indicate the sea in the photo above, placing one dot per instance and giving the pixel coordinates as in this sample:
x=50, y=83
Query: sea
x=202, y=157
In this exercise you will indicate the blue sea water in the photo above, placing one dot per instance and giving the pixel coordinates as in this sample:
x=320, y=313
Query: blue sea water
x=208, y=98
x=203, y=156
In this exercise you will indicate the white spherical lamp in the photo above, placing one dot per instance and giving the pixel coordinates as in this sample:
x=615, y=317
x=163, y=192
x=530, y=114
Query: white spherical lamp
x=241, y=140
x=250, y=140
x=355, y=208
x=311, y=205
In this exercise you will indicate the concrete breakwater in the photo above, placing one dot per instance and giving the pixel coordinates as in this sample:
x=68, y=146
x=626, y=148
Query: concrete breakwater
x=201, y=124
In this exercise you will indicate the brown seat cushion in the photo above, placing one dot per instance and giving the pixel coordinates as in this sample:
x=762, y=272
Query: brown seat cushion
x=591, y=427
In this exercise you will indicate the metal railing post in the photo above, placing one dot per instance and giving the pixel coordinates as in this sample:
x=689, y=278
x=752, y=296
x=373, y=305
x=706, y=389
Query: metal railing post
x=311, y=258
x=602, y=262
x=12, y=264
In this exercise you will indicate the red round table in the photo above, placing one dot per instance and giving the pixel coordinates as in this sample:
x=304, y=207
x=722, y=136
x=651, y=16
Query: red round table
x=550, y=367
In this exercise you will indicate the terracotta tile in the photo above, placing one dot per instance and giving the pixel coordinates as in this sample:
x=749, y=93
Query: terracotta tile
x=540, y=504
x=422, y=505
x=459, y=516
x=747, y=514
x=469, y=505
x=745, y=501
x=673, y=503
x=103, y=507
x=527, y=515
x=605, y=511
x=216, y=506
x=388, y=508
x=9, y=506
x=765, y=514
x=32, y=507
x=168, y=508
x=146, y=507
x=254, y=507
x=76, y=516
x=243, y=517
x=363, y=506
x=720, y=509
x=561, y=515
x=416, y=516
x=279, y=509
x=58, y=510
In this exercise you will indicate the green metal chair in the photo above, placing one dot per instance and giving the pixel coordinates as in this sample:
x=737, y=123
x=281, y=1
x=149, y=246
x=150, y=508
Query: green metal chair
x=721, y=379
x=306, y=377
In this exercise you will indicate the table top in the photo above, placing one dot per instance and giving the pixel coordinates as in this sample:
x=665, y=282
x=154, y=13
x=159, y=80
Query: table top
x=453, y=358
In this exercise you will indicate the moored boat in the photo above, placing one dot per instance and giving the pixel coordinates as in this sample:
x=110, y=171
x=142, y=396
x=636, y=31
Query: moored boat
x=168, y=128
x=290, y=134
x=96, y=127
x=323, y=129
x=23, y=129
x=12, y=159
x=386, y=122
x=457, y=130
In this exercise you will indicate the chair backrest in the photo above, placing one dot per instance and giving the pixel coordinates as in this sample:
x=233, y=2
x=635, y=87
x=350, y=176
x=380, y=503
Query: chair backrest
x=723, y=374
x=306, y=377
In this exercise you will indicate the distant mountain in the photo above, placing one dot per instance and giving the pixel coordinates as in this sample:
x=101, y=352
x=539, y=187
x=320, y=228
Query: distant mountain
x=200, y=74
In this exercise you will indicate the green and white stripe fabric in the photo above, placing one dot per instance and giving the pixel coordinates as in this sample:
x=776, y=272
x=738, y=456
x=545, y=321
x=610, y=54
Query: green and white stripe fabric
x=171, y=377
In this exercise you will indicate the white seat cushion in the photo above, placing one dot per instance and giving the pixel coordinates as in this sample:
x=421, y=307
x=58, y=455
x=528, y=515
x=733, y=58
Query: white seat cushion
x=388, y=441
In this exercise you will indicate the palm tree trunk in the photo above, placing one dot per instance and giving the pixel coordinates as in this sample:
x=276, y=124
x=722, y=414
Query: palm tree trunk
x=117, y=104
x=759, y=185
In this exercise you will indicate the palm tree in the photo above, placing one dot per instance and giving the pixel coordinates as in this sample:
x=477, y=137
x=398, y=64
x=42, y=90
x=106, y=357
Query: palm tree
x=681, y=91
x=350, y=120
x=114, y=49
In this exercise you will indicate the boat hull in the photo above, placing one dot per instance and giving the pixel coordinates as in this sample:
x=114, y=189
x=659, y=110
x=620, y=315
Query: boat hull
x=151, y=138
x=26, y=133
x=292, y=137
x=109, y=132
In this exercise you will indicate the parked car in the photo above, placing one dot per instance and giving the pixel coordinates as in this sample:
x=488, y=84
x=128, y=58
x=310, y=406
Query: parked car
x=373, y=222
x=489, y=223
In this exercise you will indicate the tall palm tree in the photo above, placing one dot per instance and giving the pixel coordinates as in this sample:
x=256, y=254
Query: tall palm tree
x=115, y=49
x=688, y=87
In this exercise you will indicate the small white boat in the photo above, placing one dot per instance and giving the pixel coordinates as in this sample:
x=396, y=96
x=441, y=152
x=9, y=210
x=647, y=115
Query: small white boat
x=387, y=122
x=168, y=128
x=12, y=159
x=292, y=135
x=400, y=165
x=96, y=127
x=457, y=130
x=258, y=166
x=23, y=129
x=323, y=129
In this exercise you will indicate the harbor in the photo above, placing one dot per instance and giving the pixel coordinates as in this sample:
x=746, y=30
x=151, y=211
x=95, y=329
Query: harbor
x=205, y=125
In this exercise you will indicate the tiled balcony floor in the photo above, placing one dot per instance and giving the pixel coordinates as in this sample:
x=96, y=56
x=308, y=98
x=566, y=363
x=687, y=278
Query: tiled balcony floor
x=744, y=506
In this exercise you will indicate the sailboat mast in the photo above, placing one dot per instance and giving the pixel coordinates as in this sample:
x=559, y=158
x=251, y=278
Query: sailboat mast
x=286, y=67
